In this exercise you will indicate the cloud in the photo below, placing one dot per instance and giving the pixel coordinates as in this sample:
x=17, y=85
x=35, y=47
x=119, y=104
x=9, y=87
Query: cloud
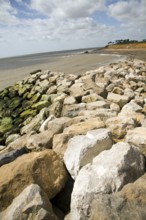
x=132, y=11
x=68, y=8
x=7, y=13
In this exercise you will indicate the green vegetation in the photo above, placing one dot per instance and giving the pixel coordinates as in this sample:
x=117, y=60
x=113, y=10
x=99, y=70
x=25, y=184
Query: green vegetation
x=126, y=41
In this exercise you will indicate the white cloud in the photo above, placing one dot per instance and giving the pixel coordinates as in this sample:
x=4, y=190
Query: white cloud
x=68, y=8
x=65, y=24
x=7, y=13
x=132, y=11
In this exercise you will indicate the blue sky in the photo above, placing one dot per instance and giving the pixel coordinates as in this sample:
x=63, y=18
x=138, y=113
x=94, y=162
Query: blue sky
x=33, y=26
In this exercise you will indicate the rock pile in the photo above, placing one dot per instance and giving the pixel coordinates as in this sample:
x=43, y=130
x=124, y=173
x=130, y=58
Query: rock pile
x=74, y=146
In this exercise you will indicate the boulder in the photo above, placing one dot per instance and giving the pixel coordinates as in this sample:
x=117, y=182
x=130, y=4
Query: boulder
x=42, y=168
x=48, y=124
x=55, y=109
x=40, y=105
x=137, y=138
x=132, y=106
x=71, y=110
x=44, y=139
x=103, y=113
x=96, y=105
x=69, y=100
x=12, y=138
x=6, y=124
x=128, y=204
x=77, y=90
x=89, y=83
x=31, y=203
x=92, y=98
x=82, y=149
x=108, y=173
x=60, y=140
x=120, y=125
x=35, y=123
x=121, y=100
x=11, y=156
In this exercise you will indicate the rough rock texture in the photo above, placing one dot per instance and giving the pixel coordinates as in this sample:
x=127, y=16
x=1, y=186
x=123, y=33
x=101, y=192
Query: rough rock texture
x=42, y=168
x=31, y=203
x=137, y=138
x=83, y=148
x=120, y=125
x=108, y=173
x=46, y=109
x=60, y=141
x=11, y=156
x=128, y=204
x=44, y=139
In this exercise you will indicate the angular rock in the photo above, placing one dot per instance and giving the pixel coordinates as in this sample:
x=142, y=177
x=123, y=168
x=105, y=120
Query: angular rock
x=89, y=83
x=132, y=106
x=60, y=140
x=55, y=109
x=91, y=98
x=31, y=203
x=69, y=100
x=120, y=125
x=103, y=113
x=121, y=100
x=77, y=90
x=6, y=125
x=49, y=124
x=41, y=104
x=83, y=148
x=109, y=172
x=137, y=138
x=128, y=204
x=35, y=123
x=42, y=168
x=96, y=105
x=44, y=139
x=11, y=156
x=12, y=138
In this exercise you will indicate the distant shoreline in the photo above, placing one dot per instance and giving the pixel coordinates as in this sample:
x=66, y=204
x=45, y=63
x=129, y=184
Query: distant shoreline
x=16, y=68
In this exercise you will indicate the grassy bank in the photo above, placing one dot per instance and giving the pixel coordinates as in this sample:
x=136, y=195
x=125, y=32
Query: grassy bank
x=138, y=45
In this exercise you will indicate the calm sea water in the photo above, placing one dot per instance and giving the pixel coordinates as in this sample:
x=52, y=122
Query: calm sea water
x=39, y=58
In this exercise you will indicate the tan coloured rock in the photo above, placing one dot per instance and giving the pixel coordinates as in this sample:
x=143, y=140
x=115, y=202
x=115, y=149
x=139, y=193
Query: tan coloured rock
x=77, y=90
x=69, y=100
x=128, y=204
x=42, y=168
x=60, y=140
x=44, y=139
x=137, y=138
x=121, y=100
x=120, y=125
x=92, y=98
x=96, y=105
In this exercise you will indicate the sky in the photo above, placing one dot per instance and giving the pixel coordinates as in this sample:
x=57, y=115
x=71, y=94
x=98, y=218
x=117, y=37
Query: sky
x=35, y=26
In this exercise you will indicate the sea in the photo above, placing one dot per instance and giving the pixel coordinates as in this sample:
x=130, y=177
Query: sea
x=38, y=58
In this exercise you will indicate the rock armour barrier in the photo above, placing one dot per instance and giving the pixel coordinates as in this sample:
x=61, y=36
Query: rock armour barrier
x=55, y=127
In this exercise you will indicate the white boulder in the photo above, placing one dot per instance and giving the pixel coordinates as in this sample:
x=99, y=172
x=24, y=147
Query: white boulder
x=82, y=149
x=108, y=173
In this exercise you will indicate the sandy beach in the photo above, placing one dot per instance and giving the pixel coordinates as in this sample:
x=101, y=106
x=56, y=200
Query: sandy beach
x=74, y=64
x=15, y=69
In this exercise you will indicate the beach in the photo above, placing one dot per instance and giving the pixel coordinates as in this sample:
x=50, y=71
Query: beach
x=16, y=68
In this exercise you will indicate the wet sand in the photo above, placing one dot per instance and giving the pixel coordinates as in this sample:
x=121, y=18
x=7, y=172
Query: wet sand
x=12, y=72
x=131, y=53
x=15, y=69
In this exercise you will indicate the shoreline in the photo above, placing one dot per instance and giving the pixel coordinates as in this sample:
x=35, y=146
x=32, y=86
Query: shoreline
x=72, y=64
x=69, y=64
